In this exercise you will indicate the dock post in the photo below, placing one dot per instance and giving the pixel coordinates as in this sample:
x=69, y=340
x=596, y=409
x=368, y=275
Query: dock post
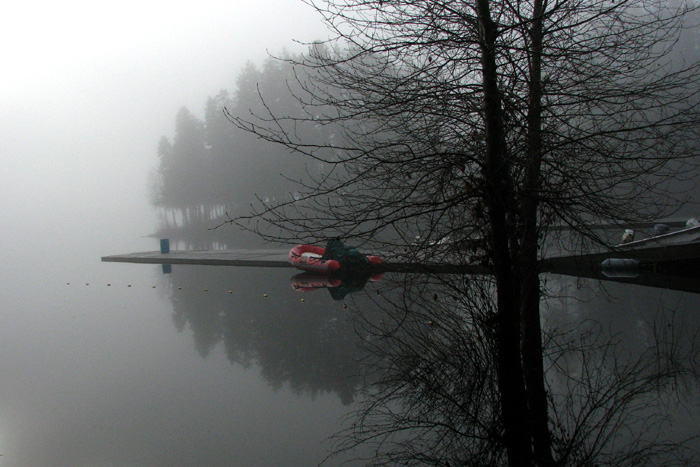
x=164, y=245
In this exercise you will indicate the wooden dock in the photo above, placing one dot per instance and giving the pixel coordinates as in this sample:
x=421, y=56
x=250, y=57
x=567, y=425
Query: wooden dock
x=273, y=258
x=656, y=257
x=672, y=267
x=277, y=258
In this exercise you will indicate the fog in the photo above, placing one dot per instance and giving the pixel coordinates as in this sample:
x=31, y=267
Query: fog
x=93, y=374
x=119, y=364
x=87, y=90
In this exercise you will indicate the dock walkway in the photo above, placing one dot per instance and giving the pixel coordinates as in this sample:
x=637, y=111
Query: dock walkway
x=277, y=258
x=672, y=267
x=273, y=258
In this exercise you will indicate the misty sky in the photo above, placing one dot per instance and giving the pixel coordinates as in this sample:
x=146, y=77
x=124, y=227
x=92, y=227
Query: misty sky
x=86, y=91
x=88, y=88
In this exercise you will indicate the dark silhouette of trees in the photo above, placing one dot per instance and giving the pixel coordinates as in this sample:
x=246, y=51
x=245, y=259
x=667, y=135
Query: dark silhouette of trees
x=182, y=169
x=486, y=123
x=211, y=170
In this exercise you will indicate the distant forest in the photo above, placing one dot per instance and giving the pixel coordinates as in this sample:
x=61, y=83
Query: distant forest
x=210, y=168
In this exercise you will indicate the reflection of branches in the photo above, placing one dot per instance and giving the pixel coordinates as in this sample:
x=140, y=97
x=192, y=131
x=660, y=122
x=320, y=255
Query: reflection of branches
x=435, y=396
x=608, y=406
x=676, y=348
x=611, y=407
x=479, y=123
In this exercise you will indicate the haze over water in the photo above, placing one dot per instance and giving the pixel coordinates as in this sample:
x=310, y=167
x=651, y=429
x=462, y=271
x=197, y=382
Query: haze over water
x=113, y=364
x=97, y=374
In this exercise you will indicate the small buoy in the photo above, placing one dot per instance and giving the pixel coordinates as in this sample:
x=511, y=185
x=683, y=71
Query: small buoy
x=129, y=285
x=345, y=306
x=67, y=283
x=230, y=291
x=109, y=285
x=430, y=323
x=179, y=288
x=302, y=300
x=87, y=283
x=265, y=295
x=206, y=290
x=153, y=287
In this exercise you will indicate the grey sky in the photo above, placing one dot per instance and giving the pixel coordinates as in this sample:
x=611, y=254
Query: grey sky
x=87, y=89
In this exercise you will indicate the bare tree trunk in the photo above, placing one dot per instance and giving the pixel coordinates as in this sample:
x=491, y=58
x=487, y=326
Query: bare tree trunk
x=530, y=298
x=498, y=190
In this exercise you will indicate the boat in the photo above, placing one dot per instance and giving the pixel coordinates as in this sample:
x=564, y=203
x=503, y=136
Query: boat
x=690, y=234
x=311, y=258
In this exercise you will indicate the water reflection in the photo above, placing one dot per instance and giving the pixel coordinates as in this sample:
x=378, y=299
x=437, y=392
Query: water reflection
x=337, y=286
x=682, y=276
x=623, y=368
x=620, y=361
x=309, y=344
x=417, y=352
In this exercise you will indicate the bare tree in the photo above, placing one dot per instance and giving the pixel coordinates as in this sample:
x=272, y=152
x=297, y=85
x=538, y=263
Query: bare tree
x=485, y=123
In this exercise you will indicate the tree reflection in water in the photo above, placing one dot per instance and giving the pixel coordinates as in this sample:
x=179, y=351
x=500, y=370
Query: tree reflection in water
x=309, y=346
x=620, y=372
x=617, y=377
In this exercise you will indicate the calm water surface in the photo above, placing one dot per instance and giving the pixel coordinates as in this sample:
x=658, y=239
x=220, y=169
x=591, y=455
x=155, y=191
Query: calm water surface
x=119, y=364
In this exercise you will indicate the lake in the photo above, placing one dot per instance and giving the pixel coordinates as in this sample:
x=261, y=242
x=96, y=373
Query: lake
x=117, y=364
x=120, y=364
